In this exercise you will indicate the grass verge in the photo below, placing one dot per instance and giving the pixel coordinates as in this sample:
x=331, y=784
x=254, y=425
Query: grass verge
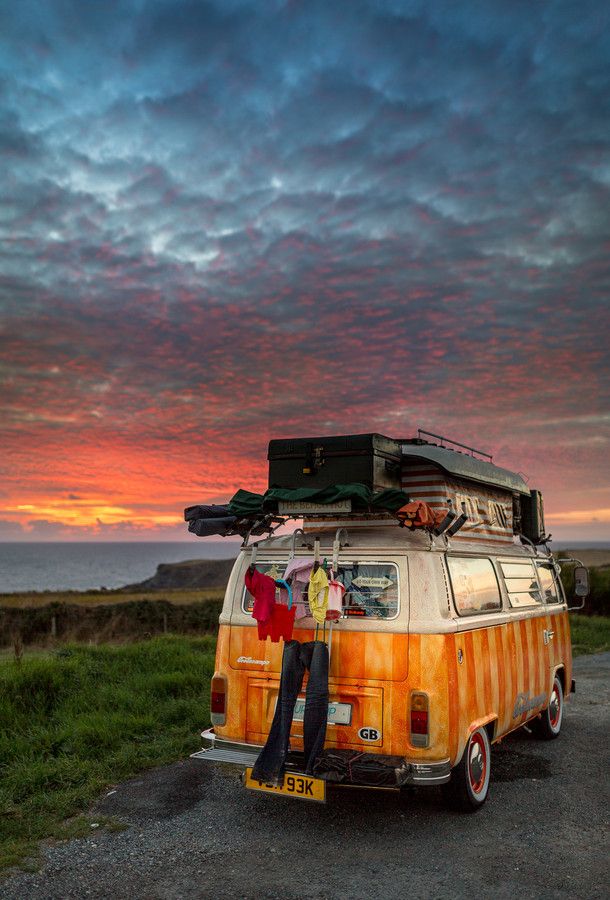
x=85, y=717
x=74, y=720
x=590, y=634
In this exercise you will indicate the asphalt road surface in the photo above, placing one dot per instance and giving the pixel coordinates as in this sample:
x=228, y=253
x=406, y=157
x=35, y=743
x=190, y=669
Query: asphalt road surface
x=194, y=832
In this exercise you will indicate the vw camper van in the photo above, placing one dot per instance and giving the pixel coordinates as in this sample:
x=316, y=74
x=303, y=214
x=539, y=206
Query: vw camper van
x=449, y=637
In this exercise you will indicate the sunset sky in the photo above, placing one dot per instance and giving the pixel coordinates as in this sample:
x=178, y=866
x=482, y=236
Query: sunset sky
x=229, y=221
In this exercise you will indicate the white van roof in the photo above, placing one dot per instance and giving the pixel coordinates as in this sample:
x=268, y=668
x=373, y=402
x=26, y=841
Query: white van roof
x=387, y=538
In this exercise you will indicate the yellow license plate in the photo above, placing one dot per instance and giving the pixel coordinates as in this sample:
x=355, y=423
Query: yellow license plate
x=302, y=787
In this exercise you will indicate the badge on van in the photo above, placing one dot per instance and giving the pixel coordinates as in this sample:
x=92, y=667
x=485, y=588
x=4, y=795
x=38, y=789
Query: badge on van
x=524, y=703
x=369, y=734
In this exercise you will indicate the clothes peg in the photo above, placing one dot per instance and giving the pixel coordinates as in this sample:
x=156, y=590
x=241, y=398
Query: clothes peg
x=337, y=547
x=316, y=554
x=252, y=565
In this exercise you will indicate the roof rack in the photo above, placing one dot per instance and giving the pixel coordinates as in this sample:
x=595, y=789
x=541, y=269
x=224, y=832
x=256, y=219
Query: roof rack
x=444, y=440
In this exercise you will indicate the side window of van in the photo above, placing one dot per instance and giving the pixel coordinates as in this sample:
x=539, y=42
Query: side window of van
x=548, y=583
x=521, y=583
x=475, y=585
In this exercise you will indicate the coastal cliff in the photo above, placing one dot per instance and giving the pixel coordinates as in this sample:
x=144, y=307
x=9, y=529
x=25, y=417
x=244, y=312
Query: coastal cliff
x=193, y=573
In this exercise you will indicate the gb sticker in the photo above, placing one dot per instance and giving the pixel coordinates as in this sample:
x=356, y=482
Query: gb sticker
x=369, y=734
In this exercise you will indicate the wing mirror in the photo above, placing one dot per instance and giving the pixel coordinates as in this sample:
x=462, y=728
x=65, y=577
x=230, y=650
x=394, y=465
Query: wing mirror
x=581, y=581
x=581, y=585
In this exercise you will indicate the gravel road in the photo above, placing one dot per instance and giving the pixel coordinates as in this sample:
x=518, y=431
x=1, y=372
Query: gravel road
x=194, y=832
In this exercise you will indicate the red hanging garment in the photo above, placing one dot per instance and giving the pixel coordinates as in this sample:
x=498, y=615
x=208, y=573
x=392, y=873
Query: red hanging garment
x=281, y=621
x=262, y=589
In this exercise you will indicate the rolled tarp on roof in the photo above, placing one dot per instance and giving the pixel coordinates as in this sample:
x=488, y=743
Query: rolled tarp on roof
x=247, y=504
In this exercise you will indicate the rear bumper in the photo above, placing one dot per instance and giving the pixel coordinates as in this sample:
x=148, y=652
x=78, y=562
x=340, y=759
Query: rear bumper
x=216, y=749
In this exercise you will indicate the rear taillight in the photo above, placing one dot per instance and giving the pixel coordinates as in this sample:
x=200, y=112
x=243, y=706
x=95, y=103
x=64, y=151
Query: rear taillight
x=218, y=700
x=419, y=719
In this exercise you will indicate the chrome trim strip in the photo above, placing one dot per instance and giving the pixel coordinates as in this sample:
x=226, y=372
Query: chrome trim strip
x=212, y=741
x=430, y=773
x=234, y=753
x=429, y=781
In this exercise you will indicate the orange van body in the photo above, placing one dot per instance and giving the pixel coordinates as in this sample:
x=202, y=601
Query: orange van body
x=492, y=669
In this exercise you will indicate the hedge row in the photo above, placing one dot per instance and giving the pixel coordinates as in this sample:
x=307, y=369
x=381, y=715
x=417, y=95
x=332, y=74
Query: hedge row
x=141, y=618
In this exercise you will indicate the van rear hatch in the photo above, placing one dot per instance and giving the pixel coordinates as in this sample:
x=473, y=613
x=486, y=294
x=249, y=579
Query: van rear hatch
x=369, y=641
x=352, y=708
x=368, y=650
x=354, y=654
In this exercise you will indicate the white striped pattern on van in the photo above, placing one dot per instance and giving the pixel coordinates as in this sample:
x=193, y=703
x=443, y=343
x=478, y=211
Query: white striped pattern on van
x=489, y=510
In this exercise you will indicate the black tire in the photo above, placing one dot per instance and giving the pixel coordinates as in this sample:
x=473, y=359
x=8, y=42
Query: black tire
x=548, y=725
x=469, y=786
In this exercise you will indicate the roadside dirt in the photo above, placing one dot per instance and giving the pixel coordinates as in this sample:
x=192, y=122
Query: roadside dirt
x=194, y=832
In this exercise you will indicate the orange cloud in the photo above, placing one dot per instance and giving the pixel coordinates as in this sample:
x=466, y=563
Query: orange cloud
x=579, y=517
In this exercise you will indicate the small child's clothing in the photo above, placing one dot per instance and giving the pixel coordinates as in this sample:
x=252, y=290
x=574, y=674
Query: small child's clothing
x=336, y=590
x=318, y=594
x=298, y=570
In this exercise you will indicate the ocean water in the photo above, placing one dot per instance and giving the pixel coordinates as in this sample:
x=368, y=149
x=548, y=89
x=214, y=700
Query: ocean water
x=82, y=566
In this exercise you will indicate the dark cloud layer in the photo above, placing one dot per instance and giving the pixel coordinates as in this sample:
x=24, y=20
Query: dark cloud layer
x=227, y=221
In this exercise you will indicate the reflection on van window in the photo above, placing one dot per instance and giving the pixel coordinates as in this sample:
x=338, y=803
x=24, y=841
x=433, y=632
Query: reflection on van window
x=548, y=583
x=475, y=586
x=371, y=588
x=521, y=583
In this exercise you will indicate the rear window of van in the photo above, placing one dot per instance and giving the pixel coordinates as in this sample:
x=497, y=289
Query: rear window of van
x=475, y=585
x=371, y=588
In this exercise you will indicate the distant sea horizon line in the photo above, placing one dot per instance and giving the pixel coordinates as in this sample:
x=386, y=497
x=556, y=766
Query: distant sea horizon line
x=94, y=565
x=236, y=542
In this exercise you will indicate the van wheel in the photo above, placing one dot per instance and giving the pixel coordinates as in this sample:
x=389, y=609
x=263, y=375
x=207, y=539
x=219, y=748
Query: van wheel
x=548, y=725
x=467, y=791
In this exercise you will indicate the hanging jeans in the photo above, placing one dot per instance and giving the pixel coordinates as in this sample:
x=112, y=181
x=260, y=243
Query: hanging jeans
x=313, y=655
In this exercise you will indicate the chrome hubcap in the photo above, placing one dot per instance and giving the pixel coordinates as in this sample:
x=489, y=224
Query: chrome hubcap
x=554, y=707
x=476, y=764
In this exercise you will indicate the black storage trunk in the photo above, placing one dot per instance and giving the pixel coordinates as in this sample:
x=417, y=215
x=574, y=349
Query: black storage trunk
x=318, y=462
